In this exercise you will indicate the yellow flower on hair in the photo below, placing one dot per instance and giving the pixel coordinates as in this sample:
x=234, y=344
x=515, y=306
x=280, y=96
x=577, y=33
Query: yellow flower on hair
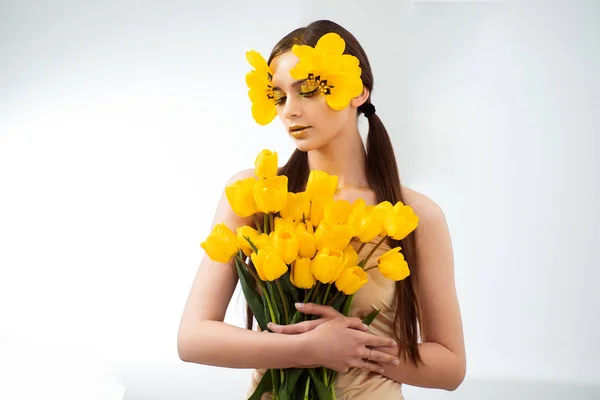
x=327, y=70
x=260, y=89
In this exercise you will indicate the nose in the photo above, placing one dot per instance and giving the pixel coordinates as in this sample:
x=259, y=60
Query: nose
x=292, y=108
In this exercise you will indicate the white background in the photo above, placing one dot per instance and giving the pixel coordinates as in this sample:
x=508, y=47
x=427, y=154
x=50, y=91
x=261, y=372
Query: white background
x=120, y=122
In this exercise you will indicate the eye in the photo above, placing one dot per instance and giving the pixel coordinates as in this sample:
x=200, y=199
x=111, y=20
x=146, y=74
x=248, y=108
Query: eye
x=278, y=97
x=309, y=93
x=309, y=88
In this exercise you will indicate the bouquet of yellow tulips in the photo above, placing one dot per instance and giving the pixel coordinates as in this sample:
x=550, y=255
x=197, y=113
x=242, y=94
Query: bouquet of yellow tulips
x=300, y=250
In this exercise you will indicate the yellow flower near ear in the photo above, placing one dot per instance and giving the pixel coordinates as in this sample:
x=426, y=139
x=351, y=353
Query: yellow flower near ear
x=301, y=275
x=327, y=265
x=271, y=194
x=266, y=164
x=285, y=244
x=240, y=195
x=401, y=221
x=244, y=232
x=307, y=247
x=268, y=264
x=297, y=206
x=351, y=279
x=321, y=185
x=327, y=70
x=260, y=89
x=392, y=265
x=221, y=244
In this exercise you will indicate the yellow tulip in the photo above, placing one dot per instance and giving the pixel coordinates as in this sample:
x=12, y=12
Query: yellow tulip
x=351, y=279
x=261, y=241
x=285, y=223
x=327, y=265
x=240, y=195
x=221, y=244
x=392, y=265
x=297, y=206
x=268, y=264
x=317, y=209
x=335, y=237
x=351, y=256
x=301, y=275
x=382, y=211
x=265, y=165
x=401, y=221
x=337, y=211
x=363, y=221
x=285, y=244
x=244, y=232
x=307, y=246
x=321, y=185
x=271, y=194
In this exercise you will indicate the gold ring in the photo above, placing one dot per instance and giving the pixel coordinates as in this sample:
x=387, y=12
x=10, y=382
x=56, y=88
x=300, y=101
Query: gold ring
x=370, y=355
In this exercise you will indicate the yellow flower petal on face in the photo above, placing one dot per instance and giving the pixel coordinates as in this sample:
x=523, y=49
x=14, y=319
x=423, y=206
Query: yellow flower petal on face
x=301, y=276
x=221, y=244
x=351, y=279
x=401, y=221
x=392, y=265
x=271, y=194
x=240, y=196
x=260, y=89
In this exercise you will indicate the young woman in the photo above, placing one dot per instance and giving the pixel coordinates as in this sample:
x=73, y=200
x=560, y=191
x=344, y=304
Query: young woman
x=417, y=338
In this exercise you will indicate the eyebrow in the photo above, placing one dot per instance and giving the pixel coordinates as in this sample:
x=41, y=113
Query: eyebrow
x=294, y=85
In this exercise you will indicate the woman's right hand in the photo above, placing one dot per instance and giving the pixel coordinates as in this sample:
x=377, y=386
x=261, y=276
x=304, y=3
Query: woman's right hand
x=339, y=343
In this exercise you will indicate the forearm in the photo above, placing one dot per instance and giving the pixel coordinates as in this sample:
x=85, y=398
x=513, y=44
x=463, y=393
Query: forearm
x=440, y=368
x=220, y=344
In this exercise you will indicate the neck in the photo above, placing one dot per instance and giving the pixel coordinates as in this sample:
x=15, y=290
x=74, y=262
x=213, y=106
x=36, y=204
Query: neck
x=345, y=157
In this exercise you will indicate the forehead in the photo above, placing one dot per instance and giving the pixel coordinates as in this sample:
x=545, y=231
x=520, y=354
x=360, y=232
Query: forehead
x=281, y=66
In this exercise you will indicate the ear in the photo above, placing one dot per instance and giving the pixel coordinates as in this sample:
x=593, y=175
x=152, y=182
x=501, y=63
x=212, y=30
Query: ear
x=360, y=99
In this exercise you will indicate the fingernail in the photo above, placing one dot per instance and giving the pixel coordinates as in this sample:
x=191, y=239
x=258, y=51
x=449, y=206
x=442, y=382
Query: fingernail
x=396, y=362
x=365, y=327
x=299, y=305
x=270, y=325
x=381, y=371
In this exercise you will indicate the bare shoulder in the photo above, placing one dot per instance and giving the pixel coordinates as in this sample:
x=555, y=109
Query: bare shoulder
x=431, y=215
x=243, y=174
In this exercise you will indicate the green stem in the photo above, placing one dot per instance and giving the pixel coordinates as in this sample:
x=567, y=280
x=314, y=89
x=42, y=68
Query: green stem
x=333, y=298
x=257, y=222
x=266, y=223
x=307, y=388
x=260, y=285
x=370, y=268
x=325, y=380
x=326, y=293
x=284, y=301
x=271, y=222
x=360, y=248
x=364, y=262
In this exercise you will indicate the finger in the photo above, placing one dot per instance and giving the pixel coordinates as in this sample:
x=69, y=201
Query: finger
x=370, y=366
x=300, y=327
x=378, y=341
x=317, y=309
x=356, y=323
x=380, y=357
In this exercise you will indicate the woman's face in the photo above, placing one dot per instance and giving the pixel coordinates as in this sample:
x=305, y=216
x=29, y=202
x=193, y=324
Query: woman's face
x=298, y=108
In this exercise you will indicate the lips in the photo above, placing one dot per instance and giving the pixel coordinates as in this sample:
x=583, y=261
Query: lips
x=298, y=131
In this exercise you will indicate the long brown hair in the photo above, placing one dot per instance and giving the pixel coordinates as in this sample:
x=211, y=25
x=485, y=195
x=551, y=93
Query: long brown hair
x=383, y=178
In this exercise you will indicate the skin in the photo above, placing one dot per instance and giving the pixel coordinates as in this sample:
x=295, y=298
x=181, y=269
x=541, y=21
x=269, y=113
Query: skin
x=334, y=145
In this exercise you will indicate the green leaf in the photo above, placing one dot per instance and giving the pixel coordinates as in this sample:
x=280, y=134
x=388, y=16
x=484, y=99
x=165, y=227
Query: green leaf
x=289, y=384
x=369, y=318
x=265, y=385
x=289, y=288
x=347, y=305
x=275, y=303
x=255, y=301
x=324, y=393
x=338, y=302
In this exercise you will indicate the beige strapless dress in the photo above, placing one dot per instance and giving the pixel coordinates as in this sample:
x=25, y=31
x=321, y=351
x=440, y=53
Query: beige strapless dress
x=378, y=292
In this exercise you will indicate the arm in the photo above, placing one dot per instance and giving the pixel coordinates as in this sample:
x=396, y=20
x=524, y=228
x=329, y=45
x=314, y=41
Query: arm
x=443, y=349
x=204, y=338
